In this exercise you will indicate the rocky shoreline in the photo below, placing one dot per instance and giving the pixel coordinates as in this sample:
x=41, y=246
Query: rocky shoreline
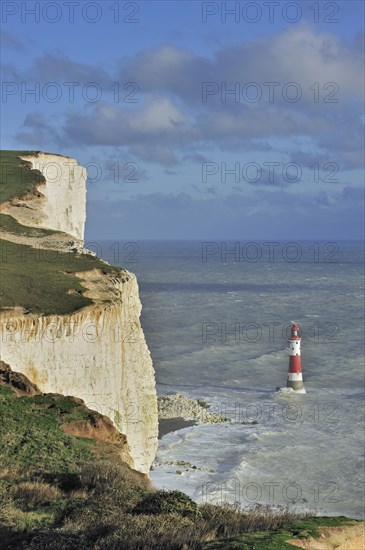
x=177, y=405
x=176, y=411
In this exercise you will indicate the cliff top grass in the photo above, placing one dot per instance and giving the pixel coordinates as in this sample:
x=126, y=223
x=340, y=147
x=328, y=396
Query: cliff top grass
x=11, y=225
x=40, y=281
x=17, y=179
x=43, y=281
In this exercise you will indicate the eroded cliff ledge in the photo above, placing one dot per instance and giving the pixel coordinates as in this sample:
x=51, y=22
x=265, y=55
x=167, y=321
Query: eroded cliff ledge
x=70, y=322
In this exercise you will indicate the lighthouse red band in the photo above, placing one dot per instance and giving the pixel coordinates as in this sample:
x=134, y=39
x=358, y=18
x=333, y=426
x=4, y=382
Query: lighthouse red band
x=295, y=378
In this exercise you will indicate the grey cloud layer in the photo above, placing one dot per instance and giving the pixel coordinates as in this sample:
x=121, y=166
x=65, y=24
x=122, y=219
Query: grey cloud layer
x=235, y=215
x=170, y=121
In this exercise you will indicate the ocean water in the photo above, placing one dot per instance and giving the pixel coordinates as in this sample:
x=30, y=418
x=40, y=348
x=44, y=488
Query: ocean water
x=217, y=326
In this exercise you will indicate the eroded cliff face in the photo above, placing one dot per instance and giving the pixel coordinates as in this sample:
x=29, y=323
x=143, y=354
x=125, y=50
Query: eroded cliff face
x=97, y=353
x=60, y=203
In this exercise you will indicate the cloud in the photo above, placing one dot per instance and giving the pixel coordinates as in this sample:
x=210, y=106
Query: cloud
x=170, y=123
x=60, y=68
x=10, y=41
x=36, y=131
x=158, y=121
x=166, y=68
x=154, y=153
x=239, y=202
x=158, y=117
x=296, y=55
x=353, y=194
x=164, y=216
x=359, y=42
x=196, y=158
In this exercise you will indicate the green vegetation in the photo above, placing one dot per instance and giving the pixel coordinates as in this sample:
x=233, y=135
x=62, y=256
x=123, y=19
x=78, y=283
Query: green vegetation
x=30, y=434
x=39, y=280
x=276, y=539
x=47, y=476
x=60, y=492
x=42, y=281
x=11, y=225
x=16, y=176
x=168, y=502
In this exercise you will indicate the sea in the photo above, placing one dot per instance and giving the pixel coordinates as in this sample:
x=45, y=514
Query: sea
x=217, y=317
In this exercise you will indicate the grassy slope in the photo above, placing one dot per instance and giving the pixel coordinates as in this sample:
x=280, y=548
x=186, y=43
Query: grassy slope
x=16, y=178
x=44, y=473
x=276, y=540
x=60, y=492
x=29, y=431
x=11, y=225
x=41, y=281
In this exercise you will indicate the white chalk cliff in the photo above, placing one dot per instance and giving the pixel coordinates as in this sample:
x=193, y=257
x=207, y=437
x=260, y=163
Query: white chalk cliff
x=99, y=352
x=61, y=202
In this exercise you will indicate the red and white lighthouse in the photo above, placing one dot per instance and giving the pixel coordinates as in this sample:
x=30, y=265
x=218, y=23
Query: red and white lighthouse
x=295, y=378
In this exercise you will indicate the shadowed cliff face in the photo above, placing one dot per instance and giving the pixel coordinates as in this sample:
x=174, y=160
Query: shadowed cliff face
x=97, y=353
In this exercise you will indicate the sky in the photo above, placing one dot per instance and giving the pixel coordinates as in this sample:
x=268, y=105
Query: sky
x=195, y=120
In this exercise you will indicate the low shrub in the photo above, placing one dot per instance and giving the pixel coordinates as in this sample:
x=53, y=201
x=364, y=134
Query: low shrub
x=168, y=502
